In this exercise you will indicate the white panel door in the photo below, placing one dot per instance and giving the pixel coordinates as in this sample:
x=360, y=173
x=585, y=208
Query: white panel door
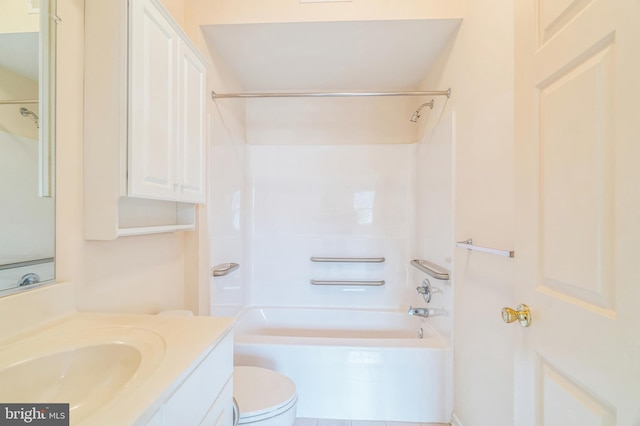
x=191, y=167
x=153, y=96
x=578, y=212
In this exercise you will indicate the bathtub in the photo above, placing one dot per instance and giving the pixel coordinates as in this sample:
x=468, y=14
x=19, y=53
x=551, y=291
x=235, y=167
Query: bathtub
x=352, y=364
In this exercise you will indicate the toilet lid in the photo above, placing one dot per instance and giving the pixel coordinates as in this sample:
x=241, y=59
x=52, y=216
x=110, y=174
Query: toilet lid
x=261, y=392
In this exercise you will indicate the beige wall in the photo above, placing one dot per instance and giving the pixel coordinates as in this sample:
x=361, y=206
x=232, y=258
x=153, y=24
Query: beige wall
x=478, y=66
x=15, y=19
x=134, y=274
x=354, y=121
x=176, y=9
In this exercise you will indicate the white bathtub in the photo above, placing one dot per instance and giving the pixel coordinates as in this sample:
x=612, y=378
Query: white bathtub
x=352, y=364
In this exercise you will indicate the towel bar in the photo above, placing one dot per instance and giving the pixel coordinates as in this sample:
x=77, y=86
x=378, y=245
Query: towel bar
x=468, y=244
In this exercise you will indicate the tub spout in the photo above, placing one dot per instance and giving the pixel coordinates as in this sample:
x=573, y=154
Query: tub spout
x=427, y=312
x=419, y=312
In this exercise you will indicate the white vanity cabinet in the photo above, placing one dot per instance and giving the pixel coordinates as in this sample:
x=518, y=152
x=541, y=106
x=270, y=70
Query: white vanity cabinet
x=205, y=396
x=144, y=121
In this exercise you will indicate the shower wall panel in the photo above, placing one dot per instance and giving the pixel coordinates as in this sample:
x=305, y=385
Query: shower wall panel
x=226, y=209
x=354, y=200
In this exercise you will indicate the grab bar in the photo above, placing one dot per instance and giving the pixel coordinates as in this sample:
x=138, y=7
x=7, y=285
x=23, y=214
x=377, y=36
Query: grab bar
x=468, y=244
x=224, y=269
x=347, y=259
x=431, y=269
x=362, y=283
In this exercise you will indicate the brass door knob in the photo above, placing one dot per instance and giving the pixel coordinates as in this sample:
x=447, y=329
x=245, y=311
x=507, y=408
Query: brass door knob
x=521, y=313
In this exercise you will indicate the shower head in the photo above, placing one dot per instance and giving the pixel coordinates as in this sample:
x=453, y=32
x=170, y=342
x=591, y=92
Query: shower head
x=25, y=113
x=416, y=115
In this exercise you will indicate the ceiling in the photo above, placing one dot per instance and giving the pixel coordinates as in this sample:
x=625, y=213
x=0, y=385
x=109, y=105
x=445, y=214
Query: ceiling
x=353, y=55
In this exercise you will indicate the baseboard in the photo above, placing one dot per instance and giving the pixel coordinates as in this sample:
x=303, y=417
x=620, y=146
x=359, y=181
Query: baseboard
x=455, y=421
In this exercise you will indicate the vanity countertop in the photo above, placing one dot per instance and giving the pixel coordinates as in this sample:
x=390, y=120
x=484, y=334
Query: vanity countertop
x=168, y=349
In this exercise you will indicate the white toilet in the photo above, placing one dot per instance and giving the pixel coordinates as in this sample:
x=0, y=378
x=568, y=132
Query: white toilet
x=264, y=397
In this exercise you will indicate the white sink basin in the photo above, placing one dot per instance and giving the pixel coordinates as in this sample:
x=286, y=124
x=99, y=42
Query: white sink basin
x=85, y=368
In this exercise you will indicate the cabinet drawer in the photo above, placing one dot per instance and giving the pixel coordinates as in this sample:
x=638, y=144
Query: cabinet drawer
x=189, y=404
x=221, y=412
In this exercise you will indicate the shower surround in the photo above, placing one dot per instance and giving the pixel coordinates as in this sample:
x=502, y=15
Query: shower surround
x=371, y=200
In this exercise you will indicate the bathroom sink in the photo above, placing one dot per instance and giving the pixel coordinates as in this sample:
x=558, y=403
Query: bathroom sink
x=86, y=370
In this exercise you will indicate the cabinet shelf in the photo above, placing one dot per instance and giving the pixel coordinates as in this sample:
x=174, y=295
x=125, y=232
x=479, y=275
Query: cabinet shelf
x=126, y=232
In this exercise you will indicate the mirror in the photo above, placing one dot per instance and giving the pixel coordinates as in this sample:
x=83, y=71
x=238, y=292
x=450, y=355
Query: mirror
x=27, y=131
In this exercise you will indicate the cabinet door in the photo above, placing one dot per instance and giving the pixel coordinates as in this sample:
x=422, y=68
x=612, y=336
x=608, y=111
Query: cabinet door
x=191, y=164
x=153, y=94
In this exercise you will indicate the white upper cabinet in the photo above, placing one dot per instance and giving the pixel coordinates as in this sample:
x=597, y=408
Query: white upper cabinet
x=191, y=159
x=166, y=109
x=145, y=151
x=153, y=96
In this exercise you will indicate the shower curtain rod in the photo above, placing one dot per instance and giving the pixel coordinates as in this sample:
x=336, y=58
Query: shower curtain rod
x=19, y=101
x=215, y=95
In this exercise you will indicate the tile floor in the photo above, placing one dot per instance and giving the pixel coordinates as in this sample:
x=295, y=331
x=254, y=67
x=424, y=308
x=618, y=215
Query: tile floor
x=330, y=422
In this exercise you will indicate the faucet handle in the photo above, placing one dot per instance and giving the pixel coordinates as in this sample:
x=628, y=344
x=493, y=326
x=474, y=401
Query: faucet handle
x=425, y=290
x=28, y=279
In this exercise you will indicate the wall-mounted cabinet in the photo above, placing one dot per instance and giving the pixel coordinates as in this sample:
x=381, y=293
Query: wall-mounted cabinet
x=144, y=121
